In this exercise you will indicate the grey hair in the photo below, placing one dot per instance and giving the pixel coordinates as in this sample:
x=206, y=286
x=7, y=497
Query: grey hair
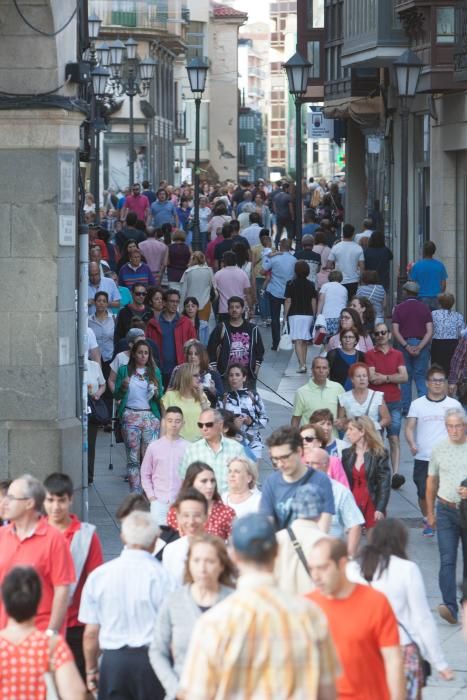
x=457, y=412
x=218, y=417
x=139, y=529
x=250, y=466
x=33, y=489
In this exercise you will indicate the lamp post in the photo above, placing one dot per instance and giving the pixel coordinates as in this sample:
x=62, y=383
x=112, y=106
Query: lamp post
x=197, y=71
x=407, y=69
x=298, y=71
x=99, y=75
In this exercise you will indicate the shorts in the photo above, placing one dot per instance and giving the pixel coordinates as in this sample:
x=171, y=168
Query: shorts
x=395, y=410
x=420, y=473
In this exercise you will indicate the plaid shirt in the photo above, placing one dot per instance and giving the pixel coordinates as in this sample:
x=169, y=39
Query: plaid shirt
x=261, y=644
x=200, y=451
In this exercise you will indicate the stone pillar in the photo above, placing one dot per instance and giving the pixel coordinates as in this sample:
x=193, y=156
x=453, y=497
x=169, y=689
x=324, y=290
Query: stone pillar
x=356, y=195
x=39, y=427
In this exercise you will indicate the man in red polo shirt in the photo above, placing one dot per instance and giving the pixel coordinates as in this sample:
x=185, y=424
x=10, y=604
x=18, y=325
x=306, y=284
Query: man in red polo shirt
x=85, y=548
x=387, y=373
x=136, y=202
x=29, y=540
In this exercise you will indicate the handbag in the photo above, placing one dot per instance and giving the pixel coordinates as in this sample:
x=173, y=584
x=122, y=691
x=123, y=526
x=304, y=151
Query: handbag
x=285, y=342
x=425, y=665
x=298, y=548
x=51, y=692
x=98, y=411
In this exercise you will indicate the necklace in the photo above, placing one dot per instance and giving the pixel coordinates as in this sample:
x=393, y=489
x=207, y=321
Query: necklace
x=141, y=375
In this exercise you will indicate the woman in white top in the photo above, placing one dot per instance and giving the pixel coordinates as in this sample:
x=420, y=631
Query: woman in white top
x=384, y=564
x=242, y=494
x=332, y=299
x=362, y=401
x=197, y=281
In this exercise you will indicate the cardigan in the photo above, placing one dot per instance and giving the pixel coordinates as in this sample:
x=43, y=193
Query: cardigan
x=121, y=394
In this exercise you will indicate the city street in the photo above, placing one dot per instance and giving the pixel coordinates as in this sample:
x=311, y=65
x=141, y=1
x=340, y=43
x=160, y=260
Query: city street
x=279, y=375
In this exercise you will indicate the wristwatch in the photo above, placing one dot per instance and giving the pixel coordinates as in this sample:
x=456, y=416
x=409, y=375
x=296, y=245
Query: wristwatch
x=50, y=632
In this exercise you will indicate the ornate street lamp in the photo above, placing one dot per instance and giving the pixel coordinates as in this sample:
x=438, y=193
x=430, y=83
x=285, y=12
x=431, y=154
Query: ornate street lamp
x=407, y=69
x=298, y=72
x=197, y=70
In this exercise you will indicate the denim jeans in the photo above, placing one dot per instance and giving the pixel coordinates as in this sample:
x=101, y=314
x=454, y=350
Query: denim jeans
x=263, y=300
x=417, y=366
x=276, y=304
x=449, y=534
x=432, y=302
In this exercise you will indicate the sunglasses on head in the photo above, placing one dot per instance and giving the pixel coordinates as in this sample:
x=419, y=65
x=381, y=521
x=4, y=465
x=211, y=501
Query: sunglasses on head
x=377, y=333
x=209, y=424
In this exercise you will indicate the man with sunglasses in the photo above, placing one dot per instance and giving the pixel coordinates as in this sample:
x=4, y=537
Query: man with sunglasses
x=136, y=308
x=387, y=373
x=425, y=428
x=212, y=448
x=136, y=202
x=291, y=473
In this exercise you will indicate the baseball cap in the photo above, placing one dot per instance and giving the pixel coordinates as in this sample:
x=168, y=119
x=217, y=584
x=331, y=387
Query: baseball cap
x=411, y=286
x=307, y=503
x=253, y=534
x=133, y=334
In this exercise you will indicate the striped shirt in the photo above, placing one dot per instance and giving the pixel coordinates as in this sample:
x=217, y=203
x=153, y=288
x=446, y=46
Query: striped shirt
x=260, y=644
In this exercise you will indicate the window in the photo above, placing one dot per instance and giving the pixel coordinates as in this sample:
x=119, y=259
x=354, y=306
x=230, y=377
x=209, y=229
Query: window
x=195, y=40
x=313, y=53
x=250, y=149
x=445, y=25
x=315, y=14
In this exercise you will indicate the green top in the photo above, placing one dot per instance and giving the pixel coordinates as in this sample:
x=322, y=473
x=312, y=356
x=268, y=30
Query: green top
x=121, y=394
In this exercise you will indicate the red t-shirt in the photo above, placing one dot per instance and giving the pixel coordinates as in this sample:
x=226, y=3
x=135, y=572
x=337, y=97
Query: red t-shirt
x=47, y=551
x=386, y=363
x=360, y=626
x=94, y=559
x=139, y=205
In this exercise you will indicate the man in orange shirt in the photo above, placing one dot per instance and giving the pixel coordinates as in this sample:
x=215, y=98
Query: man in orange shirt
x=362, y=625
x=29, y=540
x=85, y=548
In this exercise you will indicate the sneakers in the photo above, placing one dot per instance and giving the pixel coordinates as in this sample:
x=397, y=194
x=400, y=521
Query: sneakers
x=301, y=370
x=446, y=614
x=397, y=481
x=427, y=530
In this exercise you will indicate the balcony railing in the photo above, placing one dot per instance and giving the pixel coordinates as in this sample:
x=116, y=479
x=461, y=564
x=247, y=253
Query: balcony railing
x=180, y=125
x=168, y=16
x=373, y=35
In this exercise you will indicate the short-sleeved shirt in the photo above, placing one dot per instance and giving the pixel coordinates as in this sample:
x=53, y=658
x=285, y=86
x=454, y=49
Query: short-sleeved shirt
x=386, y=363
x=311, y=397
x=47, y=551
x=412, y=316
x=139, y=204
x=335, y=299
x=346, y=256
x=449, y=463
x=447, y=325
x=300, y=292
x=278, y=495
x=282, y=269
x=370, y=407
x=163, y=213
x=281, y=204
x=429, y=274
x=431, y=428
x=22, y=666
x=231, y=281
x=361, y=625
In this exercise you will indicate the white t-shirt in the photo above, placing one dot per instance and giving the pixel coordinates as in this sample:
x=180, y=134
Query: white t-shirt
x=138, y=392
x=363, y=234
x=335, y=299
x=347, y=255
x=174, y=557
x=251, y=505
x=431, y=428
x=92, y=341
x=354, y=409
x=93, y=377
x=120, y=359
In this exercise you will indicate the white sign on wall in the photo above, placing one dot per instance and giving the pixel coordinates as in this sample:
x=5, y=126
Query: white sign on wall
x=319, y=127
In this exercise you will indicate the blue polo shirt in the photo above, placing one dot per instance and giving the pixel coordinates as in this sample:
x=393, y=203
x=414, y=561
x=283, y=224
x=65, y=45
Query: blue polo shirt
x=282, y=270
x=429, y=274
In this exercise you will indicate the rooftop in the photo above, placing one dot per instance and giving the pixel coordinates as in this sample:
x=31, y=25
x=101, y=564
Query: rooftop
x=227, y=12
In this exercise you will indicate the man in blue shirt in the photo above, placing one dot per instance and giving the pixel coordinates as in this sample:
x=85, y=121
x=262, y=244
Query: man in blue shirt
x=431, y=276
x=310, y=225
x=282, y=267
x=286, y=450
x=163, y=210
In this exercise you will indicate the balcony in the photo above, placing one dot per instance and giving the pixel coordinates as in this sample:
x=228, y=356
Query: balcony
x=180, y=127
x=373, y=35
x=460, y=45
x=162, y=19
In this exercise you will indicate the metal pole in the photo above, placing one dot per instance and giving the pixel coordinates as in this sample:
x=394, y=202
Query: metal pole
x=404, y=224
x=83, y=241
x=298, y=172
x=196, y=232
x=131, y=143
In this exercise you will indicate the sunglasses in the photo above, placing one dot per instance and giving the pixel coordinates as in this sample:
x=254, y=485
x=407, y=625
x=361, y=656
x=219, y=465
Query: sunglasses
x=309, y=438
x=209, y=424
x=139, y=294
x=377, y=333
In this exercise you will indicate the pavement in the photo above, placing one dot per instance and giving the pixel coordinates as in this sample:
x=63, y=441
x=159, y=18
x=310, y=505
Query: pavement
x=278, y=385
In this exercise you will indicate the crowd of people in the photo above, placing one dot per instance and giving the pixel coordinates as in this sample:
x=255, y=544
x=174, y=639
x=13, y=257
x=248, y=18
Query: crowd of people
x=230, y=585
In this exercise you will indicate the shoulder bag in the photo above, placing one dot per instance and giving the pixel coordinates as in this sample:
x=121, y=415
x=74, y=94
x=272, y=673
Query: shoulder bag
x=369, y=405
x=98, y=411
x=298, y=548
x=425, y=665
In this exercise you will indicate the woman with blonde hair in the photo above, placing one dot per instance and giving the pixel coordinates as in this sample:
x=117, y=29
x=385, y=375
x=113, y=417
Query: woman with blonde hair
x=242, y=494
x=198, y=281
x=187, y=393
x=367, y=469
x=209, y=578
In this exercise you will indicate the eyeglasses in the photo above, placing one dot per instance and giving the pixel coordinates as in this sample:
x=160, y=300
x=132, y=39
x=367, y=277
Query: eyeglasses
x=139, y=294
x=377, y=333
x=278, y=460
x=437, y=380
x=10, y=497
x=309, y=438
x=348, y=337
x=209, y=424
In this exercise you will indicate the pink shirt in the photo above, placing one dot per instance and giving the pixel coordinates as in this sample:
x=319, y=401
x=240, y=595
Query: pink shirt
x=336, y=471
x=159, y=470
x=139, y=205
x=230, y=282
x=154, y=252
x=211, y=250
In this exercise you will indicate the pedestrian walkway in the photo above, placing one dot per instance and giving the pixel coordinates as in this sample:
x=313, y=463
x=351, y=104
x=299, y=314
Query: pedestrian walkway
x=278, y=374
